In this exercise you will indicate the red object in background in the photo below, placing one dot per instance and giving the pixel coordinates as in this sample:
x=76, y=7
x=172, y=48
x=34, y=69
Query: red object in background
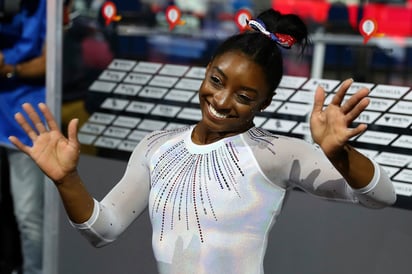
x=67, y=9
x=109, y=12
x=241, y=18
x=315, y=10
x=66, y=16
x=368, y=28
x=96, y=53
x=392, y=19
x=173, y=16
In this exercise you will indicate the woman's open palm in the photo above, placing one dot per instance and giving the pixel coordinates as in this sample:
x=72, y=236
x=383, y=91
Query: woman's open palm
x=330, y=126
x=55, y=154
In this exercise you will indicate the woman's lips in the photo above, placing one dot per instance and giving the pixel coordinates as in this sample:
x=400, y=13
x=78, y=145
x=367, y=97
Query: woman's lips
x=215, y=113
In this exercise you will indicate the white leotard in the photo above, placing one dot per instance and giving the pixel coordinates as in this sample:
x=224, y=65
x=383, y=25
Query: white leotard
x=212, y=206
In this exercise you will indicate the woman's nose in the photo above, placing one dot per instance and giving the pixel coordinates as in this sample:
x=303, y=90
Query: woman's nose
x=222, y=99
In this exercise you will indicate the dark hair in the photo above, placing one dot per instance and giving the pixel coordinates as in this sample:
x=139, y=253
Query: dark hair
x=263, y=50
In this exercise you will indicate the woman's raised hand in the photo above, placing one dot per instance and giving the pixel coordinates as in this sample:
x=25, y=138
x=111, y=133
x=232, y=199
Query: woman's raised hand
x=56, y=155
x=330, y=126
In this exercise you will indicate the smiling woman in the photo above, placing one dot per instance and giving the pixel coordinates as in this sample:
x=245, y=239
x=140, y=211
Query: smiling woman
x=234, y=90
x=215, y=189
x=243, y=74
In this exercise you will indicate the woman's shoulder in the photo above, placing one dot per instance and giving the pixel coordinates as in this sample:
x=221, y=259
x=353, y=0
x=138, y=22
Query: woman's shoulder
x=167, y=133
x=260, y=135
x=264, y=139
x=157, y=138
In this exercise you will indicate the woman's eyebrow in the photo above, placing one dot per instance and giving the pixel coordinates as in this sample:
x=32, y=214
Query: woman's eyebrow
x=220, y=71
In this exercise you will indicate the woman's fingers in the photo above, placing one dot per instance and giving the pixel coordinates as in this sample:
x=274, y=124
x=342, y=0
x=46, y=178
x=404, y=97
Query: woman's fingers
x=319, y=100
x=15, y=141
x=359, y=99
x=35, y=120
x=340, y=94
x=34, y=117
x=353, y=106
x=357, y=109
x=72, y=130
x=51, y=122
x=357, y=130
x=21, y=120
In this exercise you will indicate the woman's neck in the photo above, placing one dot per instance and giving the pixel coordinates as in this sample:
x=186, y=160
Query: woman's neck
x=202, y=135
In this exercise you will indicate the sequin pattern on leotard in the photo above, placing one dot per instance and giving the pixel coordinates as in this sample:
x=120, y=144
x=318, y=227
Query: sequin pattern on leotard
x=184, y=181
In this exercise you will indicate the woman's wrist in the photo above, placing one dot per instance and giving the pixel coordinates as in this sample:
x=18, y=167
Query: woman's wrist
x=340, y=158
x=68, y=179
x=357, y=169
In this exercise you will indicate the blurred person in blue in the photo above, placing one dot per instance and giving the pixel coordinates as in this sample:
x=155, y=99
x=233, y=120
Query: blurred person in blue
x=22, y=79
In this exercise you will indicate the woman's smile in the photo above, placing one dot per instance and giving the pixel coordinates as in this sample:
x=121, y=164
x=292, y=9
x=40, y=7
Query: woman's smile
x=216, y=114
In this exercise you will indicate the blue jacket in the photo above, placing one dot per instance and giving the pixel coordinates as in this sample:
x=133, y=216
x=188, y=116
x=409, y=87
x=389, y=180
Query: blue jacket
x=22, y=38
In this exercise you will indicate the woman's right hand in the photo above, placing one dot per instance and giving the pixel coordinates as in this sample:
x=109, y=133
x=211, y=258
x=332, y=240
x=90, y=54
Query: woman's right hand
x=56, y=155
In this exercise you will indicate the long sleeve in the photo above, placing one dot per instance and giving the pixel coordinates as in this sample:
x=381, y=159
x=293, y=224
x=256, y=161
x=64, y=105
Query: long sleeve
x=379, y=192
x=122, y=205
x=296, y=163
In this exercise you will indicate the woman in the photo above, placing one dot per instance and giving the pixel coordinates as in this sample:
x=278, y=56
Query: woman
x=214, y=189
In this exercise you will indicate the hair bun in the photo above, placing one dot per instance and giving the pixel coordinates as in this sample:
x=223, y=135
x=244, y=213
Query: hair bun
x=283, y=40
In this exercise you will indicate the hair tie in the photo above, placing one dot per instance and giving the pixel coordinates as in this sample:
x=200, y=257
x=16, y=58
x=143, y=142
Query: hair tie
x=283, y=40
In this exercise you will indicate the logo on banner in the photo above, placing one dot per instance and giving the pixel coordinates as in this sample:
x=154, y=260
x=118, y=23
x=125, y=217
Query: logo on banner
x=173, y=17
x=369, y=28
x=109, y=12
x=241, y=18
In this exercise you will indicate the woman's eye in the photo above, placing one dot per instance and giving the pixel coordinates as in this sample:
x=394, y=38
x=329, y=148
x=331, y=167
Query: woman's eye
x=215, y=80
x=244, y=98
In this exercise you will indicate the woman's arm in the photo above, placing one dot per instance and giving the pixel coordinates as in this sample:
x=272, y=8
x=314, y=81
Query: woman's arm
x=330, y=130
x=122, y=205
x=311, y=171
x=57, y=156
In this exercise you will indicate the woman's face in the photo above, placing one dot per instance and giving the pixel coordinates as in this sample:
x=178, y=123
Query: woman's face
x=233, y=91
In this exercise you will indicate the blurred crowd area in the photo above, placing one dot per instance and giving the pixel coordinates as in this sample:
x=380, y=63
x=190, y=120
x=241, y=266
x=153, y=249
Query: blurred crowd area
x=143, y=34
x=90, y=42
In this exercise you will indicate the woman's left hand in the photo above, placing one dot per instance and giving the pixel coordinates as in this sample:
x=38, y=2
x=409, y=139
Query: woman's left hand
x=330, y=126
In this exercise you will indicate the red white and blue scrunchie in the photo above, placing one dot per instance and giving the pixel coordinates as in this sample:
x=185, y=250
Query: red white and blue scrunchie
x=283, y=40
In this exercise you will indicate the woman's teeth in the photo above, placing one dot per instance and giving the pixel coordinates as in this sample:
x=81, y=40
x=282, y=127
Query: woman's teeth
x=215, y=113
